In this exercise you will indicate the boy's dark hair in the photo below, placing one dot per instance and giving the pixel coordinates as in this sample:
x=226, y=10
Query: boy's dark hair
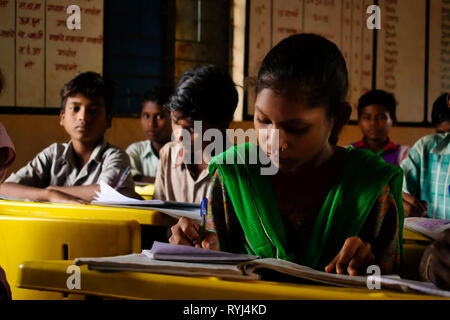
x=91, y=85
x=206, y=93
x=309, y=69
x=159, y=95
x=441, y=110
x=379, y=97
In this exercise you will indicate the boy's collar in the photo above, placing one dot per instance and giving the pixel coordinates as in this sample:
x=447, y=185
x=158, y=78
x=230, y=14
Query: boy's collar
x=69, y=152
x=390, y=145
x=442, y=143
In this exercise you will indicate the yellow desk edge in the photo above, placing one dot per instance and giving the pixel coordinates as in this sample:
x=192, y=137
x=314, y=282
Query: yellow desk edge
x=51, y=275
x=56, y=210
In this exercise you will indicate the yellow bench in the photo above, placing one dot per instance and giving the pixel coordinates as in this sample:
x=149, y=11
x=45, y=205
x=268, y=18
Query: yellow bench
x=51, y=275
x=32, y=238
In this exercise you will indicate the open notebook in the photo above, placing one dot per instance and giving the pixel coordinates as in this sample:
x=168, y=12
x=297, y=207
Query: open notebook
x=108, y=196
x=188, y=261
x=426, y=226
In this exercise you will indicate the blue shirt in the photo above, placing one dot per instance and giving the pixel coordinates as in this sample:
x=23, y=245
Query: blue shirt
x=427, y=173
x=143, y=159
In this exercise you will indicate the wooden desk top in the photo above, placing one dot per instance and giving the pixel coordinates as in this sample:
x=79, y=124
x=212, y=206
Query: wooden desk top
x=56, y=210
x=51, y=275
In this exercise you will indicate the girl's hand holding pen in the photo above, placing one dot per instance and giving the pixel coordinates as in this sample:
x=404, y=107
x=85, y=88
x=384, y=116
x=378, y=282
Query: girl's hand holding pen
x=189, y=233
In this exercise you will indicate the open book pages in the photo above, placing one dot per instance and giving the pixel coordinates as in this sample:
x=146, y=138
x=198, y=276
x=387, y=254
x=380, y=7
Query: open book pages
x=428, y=227
x=108, y=196
x=247, y=270
x=394, y=283
x=142, y=263
x=173, y=252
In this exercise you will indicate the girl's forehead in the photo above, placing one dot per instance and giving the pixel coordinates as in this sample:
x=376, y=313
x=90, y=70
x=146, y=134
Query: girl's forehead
x=285, y=109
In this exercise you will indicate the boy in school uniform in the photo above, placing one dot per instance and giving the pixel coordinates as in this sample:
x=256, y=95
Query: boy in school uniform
x=70, y=172
x=376, y=116
x=204, y=96
x=156, y=124
x=440, y=114
x=426, y=183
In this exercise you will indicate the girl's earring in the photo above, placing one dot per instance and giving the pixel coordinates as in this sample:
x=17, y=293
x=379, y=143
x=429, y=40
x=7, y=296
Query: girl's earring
x=283, y=147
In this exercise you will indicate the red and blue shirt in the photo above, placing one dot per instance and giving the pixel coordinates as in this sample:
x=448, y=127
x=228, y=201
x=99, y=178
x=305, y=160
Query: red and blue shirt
x=391, y=152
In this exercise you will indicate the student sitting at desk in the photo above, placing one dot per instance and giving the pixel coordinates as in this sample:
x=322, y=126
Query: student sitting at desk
x=7, y=155
x=440, y=114
x=327, y=207
x=204, y=98
x=426, y=183
x=7, y=152
x=376, y=116
x=70, y=172
x=156, y=124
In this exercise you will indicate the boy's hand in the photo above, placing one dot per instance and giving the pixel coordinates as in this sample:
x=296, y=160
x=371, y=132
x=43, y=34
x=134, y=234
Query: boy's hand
x=414, y=207
x=187, y=232
x=56, y=196
x=354, y=257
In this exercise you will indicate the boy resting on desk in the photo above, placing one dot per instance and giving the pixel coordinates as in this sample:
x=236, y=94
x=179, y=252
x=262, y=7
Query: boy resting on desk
x=70, y=172
x=204, y=98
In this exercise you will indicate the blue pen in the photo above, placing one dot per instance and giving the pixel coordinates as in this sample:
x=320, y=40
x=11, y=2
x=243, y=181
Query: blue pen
x=123, y=177
x=203, y=213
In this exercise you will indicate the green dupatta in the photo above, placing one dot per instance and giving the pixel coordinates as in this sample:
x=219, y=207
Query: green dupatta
x=343, y=213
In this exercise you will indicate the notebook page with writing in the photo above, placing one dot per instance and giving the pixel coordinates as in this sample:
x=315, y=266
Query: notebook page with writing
x=426, y=226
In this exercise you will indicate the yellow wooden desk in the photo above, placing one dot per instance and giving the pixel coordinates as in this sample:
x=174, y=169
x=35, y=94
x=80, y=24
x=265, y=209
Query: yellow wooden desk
x=414, y=245
x=51, y=275
x=145, y=191
x=414, y=237
x=34, y=238
x=53, y=210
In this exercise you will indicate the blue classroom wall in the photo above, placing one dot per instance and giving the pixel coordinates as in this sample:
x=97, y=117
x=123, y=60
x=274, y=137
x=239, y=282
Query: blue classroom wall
x=134, y=50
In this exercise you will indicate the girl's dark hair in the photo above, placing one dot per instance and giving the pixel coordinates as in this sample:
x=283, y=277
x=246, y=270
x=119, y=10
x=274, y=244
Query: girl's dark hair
x=159, y=95
x=379, y=97
x=206, y=93
x=309, y=69
x=306, y=67
x=441, y=110
x=91, y=85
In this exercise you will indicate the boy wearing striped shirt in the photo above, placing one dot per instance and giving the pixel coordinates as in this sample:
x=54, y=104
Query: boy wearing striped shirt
x=426, y=183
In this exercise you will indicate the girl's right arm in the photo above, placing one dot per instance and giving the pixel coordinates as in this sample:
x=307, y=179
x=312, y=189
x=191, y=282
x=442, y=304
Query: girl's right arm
x=187, y=232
